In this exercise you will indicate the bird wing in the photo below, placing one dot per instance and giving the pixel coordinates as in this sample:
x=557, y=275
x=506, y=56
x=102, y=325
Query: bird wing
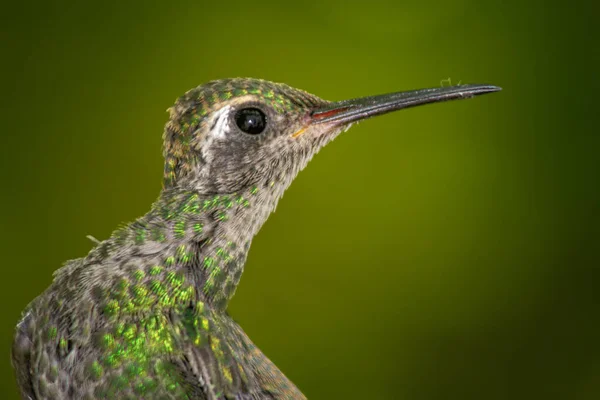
x=213, y=360
x=227, y=365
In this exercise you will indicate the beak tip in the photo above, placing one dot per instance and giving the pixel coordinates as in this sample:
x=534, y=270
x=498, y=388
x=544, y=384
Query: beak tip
x=493, y=88
x=476, y=89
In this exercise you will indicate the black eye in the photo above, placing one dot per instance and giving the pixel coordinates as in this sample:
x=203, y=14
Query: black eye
x=251, y=120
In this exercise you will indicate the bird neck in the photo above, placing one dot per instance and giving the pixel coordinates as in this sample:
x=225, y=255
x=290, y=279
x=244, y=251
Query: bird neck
x=206, y=237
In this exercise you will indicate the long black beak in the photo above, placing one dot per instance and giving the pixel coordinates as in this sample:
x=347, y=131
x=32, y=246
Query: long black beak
x=347, y=111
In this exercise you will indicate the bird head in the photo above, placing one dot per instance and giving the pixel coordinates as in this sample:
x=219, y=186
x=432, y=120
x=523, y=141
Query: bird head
x=229, y=135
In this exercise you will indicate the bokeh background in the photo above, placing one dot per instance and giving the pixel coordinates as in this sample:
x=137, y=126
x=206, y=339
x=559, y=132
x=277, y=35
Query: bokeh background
x=445, y=252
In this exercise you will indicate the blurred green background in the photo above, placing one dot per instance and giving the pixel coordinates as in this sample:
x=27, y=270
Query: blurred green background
x=445, y=252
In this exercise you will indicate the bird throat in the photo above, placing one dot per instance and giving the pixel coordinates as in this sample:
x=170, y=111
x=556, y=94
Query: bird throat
x=200, y=241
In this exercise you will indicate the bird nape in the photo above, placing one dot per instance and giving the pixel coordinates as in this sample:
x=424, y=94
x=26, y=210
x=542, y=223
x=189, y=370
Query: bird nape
x=144, y=314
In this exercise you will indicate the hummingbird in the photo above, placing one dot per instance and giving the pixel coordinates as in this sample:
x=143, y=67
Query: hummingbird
x=144, y=314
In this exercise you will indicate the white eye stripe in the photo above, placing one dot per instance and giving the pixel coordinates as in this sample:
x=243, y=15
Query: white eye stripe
x=219, y=124
x=219, y=127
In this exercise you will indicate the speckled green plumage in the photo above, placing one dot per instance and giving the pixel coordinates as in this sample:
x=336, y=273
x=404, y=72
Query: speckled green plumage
x=143, y=315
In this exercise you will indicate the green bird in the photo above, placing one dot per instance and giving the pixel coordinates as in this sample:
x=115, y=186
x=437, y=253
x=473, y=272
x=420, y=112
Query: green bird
x=144, y=314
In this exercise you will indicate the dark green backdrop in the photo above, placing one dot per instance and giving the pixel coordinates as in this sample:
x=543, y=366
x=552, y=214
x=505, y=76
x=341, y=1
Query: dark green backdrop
x=444, y=252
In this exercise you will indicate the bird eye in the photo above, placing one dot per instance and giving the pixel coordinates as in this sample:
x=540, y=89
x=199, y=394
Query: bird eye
x=251, y=120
